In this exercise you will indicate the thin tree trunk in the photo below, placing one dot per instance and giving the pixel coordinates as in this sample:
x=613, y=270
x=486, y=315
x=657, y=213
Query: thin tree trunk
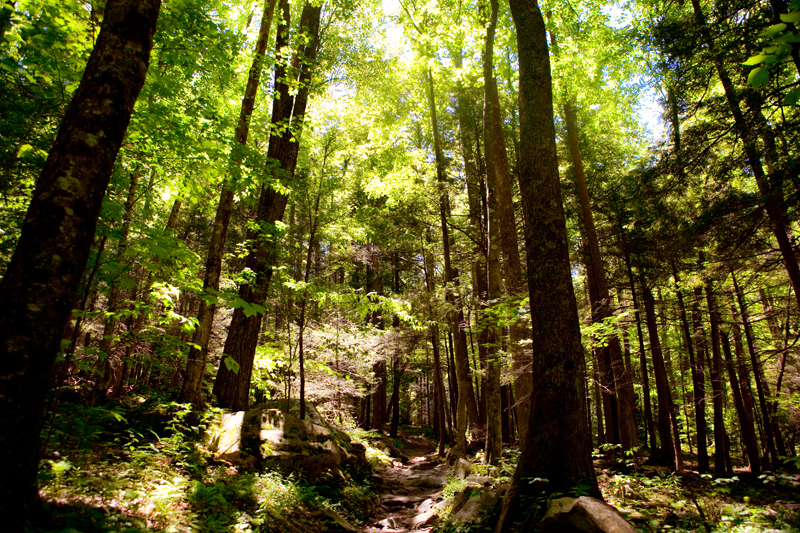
x=105, y=379
x=745, y=421
x=667, y=427
x=602, y=308
x=698, y=376
x=192, y=389
x=438, y=381
x=467, y=409
x=758, y=374
x=716, y=380
x=231, y=387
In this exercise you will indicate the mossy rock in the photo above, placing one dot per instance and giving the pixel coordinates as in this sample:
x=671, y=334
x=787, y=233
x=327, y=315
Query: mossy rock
x=265, y=437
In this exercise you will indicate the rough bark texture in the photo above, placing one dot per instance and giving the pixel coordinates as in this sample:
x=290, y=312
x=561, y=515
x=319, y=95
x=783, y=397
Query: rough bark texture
x=558, y=447
x=601, y=307
x=38, y=290
x=232, y=388
x=499, y=181
x=699, y=381
x=467, y=408
x=670, y=447
x=192, y=390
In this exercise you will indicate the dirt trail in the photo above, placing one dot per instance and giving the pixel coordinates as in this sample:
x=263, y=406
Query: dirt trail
x=409, y=491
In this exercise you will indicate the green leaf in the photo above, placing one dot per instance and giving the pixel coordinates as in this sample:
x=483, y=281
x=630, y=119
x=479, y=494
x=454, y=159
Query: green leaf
x=792, y=97
x=791, y=18
x=758, y=76
x=24, y=149
x=773, y=30
x=755, y=60
x=231, y=364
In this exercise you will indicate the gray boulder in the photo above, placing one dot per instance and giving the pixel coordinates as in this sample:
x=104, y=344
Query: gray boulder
x=269, y=437
x=583, y=515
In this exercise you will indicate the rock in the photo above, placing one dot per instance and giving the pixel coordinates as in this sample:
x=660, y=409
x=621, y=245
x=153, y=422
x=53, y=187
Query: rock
x=426, y=506
x=462, y=468
x=479, y=481
x=583, y=515
x=335, y=523
x=471, y=507
x=427, y=518
x=431, y=482
x=272, y=437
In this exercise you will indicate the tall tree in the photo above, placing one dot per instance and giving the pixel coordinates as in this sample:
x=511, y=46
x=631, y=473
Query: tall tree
x=499, y=181
x=192, y=389
x=39, y=287
x=467, y=409
x=232, y=384
x=558, y=446
x=602, y=307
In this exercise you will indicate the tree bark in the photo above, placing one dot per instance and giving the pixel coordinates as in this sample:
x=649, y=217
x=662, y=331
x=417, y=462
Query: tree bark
x=558, y=445
x=232, y=388
x=745, y=421
x=192, y=389
x=499, y=181
x=716, y=379
x=758, y=374
x=467, y=409
x=667, y=426
x=438, y=381
x=39, y=287
x=601, y=308
x=699, y=378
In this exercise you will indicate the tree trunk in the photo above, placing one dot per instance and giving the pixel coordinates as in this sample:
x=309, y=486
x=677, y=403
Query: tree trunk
x=667, y=427
x=558, y=447
x=232, y=386
x=745, y=421
x=467, y=409
x=192, y=390
x=105, y=378
x=782, y=344
x=758, y=374
x=499, y=181
x=716, y=380
x=39, y=287
x=602, y=308
x=699, y=379
x=438, y=381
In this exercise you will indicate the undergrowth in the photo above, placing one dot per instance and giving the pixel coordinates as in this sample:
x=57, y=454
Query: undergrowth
x=141, y=465
x=655, y=500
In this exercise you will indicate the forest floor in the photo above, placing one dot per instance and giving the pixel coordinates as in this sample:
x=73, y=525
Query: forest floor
x=409, y=488
x=141, y=465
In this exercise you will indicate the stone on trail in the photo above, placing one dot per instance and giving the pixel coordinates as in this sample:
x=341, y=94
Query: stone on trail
x=472, y=506
x=264, y=437
x=583, y=515
x=462, y=468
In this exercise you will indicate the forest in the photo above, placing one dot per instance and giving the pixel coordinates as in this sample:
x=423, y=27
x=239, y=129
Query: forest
x=410, y=265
